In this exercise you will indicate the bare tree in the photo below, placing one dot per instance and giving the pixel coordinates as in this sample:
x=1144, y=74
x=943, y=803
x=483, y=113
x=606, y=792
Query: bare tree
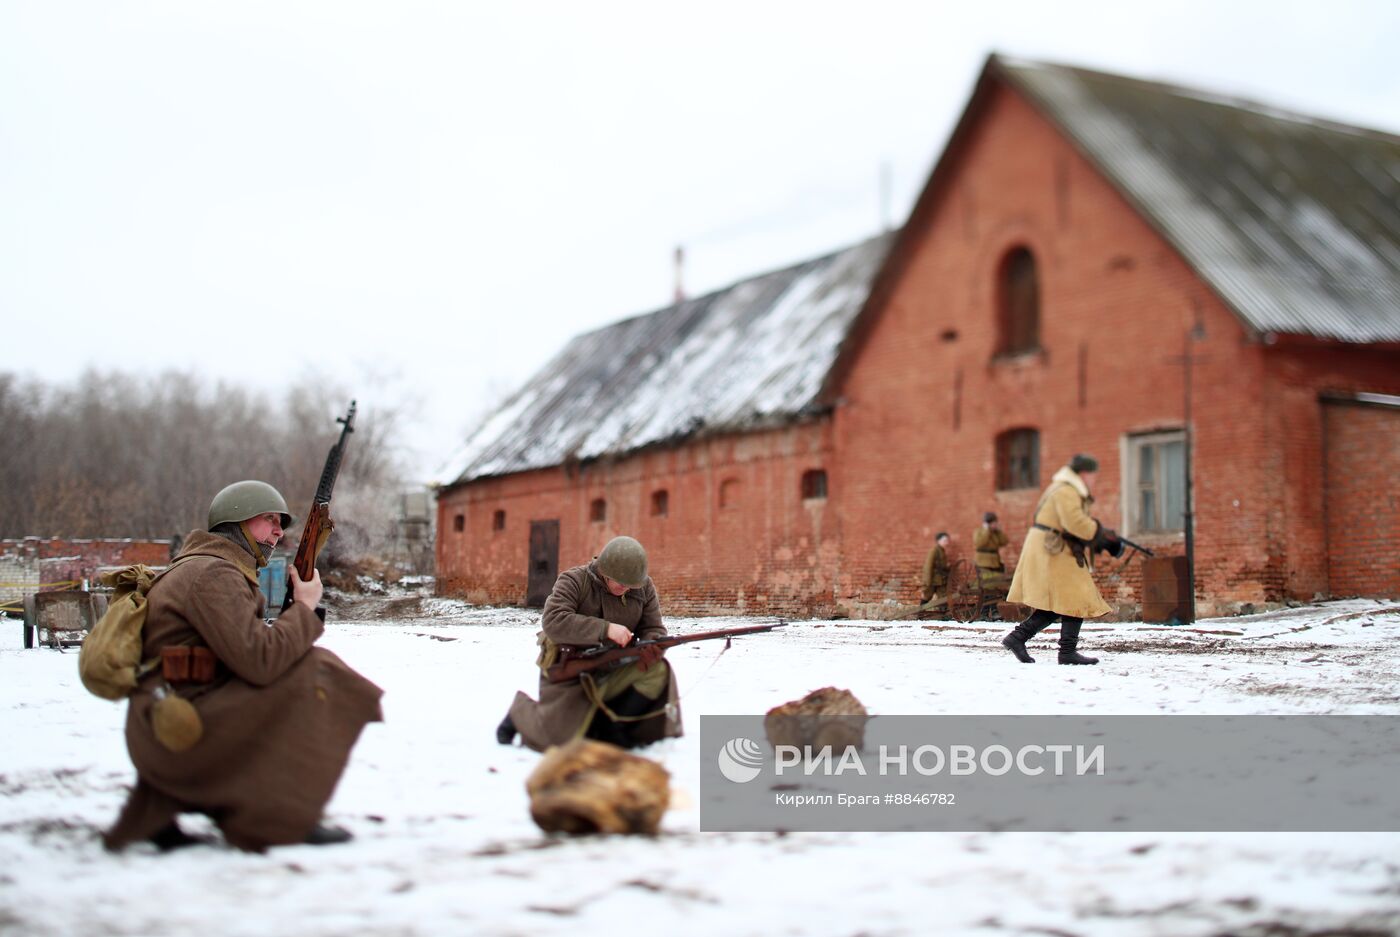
x=111, y=455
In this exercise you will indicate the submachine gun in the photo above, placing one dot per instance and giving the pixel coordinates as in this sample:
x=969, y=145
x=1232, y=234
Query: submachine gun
x=318, y=526
x=1105, y=540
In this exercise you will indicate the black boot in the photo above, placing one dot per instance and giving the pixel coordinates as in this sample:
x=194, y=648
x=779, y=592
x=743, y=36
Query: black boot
x=1015, y=641
x=1069, y=643
x=322, y=835
x=505, y=732
x=170, y=837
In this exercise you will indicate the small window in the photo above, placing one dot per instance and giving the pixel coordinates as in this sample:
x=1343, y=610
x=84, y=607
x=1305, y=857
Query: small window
x=660, y=503
x=498, y=520
x=1156, y=488
x=1018, y=459
x=459, y=523
x=598, y=510
x=729, y=493
x=814, y=484
x=1018, y=301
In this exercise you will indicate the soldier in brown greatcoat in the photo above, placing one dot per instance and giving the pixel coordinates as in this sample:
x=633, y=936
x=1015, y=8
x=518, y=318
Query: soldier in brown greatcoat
x=1055, y=574
x=609, y=601
x=987, y=542
x=279, y=715
x=933, y=578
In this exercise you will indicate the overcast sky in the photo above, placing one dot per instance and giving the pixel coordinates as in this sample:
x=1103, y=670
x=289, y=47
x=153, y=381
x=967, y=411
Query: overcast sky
x=430, y=199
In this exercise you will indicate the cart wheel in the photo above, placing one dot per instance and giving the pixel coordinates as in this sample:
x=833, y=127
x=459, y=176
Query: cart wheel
x=964, y=598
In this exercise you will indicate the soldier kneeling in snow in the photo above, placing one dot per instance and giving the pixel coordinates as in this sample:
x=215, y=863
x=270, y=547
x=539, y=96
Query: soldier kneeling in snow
x=610, y=601
x=267, y=719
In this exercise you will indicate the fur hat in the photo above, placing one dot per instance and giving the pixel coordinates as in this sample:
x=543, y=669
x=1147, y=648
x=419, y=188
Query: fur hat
x=1083, y=463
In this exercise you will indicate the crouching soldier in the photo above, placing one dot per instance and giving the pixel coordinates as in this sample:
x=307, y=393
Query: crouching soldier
x=611, y=601
x=1055, y=574
x=265, y=720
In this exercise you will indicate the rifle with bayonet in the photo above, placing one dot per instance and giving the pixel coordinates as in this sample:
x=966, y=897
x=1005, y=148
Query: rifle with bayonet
x=318, y=526
x=574, y=659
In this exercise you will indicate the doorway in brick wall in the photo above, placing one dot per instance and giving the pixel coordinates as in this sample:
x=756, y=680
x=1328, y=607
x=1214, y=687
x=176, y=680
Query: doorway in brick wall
x=544, y=562
x=1361, y=462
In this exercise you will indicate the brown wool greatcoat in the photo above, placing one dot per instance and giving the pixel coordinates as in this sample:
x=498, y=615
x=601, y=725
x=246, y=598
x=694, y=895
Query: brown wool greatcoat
x=1055, y=581
x=279, y=719
x=933, y=578
x=578, y=611
x=987, y=544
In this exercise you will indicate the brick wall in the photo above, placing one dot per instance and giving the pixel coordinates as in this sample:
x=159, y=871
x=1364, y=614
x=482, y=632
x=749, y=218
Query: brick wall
x=63, y=560
x=910, y=447
x=765, y=550
x=1362, y=502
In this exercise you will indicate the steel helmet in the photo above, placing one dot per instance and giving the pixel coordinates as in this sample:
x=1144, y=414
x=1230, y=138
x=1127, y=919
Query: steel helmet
x=246, y=499
x=624, y=560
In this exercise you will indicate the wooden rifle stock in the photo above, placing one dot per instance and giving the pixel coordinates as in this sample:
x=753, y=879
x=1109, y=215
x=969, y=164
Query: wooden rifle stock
x=574, y=660
x=318, y=526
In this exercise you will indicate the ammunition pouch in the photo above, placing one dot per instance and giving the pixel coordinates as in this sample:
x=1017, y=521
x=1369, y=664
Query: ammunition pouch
x=184, y=664
x=1054, y=539
x=549, y=652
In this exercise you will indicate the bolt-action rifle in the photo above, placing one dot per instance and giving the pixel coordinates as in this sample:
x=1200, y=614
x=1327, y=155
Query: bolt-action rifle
x=574, y=659
x=317, y=529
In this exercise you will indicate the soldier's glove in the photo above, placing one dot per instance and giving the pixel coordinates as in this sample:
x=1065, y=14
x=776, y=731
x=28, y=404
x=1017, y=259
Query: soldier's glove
x=648, y=656
x=1106, y=540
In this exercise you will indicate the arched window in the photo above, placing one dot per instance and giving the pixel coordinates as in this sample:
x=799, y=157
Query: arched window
x=1018, y=459
x=1018, y=301
x=813, y=484
x=498, y=520
x=459, y=523
x=660, y=503
x=598, y=510
x=729, y=492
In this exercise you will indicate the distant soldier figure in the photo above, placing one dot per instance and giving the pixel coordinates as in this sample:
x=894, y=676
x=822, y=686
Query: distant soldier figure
x=1055, y=574
x=987, y=542
x=274, y=716
x=609, y=601
x=933, y=579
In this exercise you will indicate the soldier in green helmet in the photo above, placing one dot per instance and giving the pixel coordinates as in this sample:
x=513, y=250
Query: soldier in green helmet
x=274, y=717
x=610, y=601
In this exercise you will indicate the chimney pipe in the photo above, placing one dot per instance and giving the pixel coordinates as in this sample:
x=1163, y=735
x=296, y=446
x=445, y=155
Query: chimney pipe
x=680, y=269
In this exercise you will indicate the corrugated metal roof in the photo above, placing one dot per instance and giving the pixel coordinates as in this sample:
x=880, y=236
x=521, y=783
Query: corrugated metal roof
x=749, y=356
x=1295, y=222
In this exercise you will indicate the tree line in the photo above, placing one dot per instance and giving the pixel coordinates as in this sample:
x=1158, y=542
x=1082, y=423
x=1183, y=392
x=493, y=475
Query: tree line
x=116, y=455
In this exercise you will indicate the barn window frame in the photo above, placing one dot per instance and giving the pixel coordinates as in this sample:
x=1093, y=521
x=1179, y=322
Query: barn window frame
x=1018, y=297
x=1154, y=482
x=1018, y=459
x=814, y=485
x=598, y=510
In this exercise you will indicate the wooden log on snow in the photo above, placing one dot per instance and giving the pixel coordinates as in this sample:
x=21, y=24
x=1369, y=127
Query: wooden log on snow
x=823, y=717
x=592, y=787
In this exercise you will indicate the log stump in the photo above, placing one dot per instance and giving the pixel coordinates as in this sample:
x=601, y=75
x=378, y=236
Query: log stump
x=593, y=787
x=823, y=717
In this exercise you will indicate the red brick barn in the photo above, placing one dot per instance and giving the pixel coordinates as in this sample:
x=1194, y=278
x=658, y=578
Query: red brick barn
x=1092, y=257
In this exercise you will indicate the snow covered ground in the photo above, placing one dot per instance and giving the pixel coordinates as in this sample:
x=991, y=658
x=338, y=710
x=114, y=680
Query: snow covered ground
x=444, y=843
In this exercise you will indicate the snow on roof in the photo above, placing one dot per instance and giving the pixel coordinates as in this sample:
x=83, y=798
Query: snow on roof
x=752, y=355
x=1294, y=221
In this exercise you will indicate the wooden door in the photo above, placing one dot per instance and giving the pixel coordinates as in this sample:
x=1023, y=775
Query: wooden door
x=544, y=562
